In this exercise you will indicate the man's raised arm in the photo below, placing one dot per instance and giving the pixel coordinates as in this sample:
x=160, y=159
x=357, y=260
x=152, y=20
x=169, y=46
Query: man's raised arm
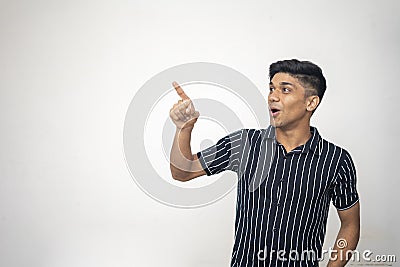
x=183, y=164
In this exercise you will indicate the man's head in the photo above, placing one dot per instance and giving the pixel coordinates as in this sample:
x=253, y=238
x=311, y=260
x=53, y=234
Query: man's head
x=296, y=89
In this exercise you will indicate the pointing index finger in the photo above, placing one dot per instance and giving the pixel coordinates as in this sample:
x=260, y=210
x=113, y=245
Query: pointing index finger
x=180, y=91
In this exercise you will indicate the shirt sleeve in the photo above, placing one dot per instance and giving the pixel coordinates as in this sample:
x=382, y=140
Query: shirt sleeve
x=224, y=155
x=344, y=192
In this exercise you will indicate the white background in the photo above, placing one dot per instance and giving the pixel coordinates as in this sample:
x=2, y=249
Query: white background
x=69, y=69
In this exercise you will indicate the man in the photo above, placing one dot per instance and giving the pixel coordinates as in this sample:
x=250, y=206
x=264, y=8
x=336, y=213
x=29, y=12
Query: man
x=281, y=220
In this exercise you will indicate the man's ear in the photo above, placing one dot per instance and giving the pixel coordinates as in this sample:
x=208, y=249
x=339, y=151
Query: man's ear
x=312, y=102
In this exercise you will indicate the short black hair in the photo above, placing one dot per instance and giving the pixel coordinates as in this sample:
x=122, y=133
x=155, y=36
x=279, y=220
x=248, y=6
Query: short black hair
x=308, y=74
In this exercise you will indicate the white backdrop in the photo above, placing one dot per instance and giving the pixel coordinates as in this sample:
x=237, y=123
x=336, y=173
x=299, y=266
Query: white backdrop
x=69, y=69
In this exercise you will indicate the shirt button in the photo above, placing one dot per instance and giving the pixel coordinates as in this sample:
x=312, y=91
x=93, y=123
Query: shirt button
x=274, y=229
x=281, y=180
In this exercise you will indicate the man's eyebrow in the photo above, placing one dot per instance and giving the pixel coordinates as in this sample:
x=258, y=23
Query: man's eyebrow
x=286, y=83
x=283, y=83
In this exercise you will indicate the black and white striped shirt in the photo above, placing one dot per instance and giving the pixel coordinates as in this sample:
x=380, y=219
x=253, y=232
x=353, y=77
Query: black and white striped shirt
x=283, y=197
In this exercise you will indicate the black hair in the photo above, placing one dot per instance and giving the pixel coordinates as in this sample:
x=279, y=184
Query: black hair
x=308, y=74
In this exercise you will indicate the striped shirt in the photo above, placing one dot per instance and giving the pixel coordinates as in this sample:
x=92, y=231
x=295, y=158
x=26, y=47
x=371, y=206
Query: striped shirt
x=283, y=198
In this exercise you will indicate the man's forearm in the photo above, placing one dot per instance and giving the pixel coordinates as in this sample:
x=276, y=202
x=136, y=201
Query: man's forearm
x=181, y=157
x=346, y=242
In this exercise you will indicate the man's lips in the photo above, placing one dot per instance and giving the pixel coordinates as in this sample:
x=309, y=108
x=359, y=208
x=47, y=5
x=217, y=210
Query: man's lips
x=274, y=111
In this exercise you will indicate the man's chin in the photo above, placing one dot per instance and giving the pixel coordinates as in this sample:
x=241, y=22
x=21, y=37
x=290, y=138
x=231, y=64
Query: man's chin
x=273, y=123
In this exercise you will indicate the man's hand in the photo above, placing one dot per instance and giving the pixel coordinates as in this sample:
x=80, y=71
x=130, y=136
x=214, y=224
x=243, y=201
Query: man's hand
x=183, y=163
x=183, y=113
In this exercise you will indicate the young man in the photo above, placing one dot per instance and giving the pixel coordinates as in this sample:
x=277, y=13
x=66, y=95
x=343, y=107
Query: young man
x=282, y=220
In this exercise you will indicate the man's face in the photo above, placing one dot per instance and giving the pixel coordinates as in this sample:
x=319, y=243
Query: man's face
x=287, y=102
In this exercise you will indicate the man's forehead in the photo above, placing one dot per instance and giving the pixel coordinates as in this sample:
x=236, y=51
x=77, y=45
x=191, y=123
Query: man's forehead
x=283, y=78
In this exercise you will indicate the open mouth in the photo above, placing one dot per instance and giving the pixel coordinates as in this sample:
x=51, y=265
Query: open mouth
x=274, y=111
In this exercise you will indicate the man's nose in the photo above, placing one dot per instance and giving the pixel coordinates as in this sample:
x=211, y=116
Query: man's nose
x=273, y=96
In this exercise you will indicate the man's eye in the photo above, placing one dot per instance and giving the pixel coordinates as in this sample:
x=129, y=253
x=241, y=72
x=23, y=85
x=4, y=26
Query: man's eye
x=271, y=89
x=285, y=90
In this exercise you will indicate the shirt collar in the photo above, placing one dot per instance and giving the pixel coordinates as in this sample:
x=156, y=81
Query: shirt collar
x=312, y=143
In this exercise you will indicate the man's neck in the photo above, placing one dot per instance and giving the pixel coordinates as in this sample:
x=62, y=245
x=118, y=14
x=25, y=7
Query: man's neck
x=292, y=138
